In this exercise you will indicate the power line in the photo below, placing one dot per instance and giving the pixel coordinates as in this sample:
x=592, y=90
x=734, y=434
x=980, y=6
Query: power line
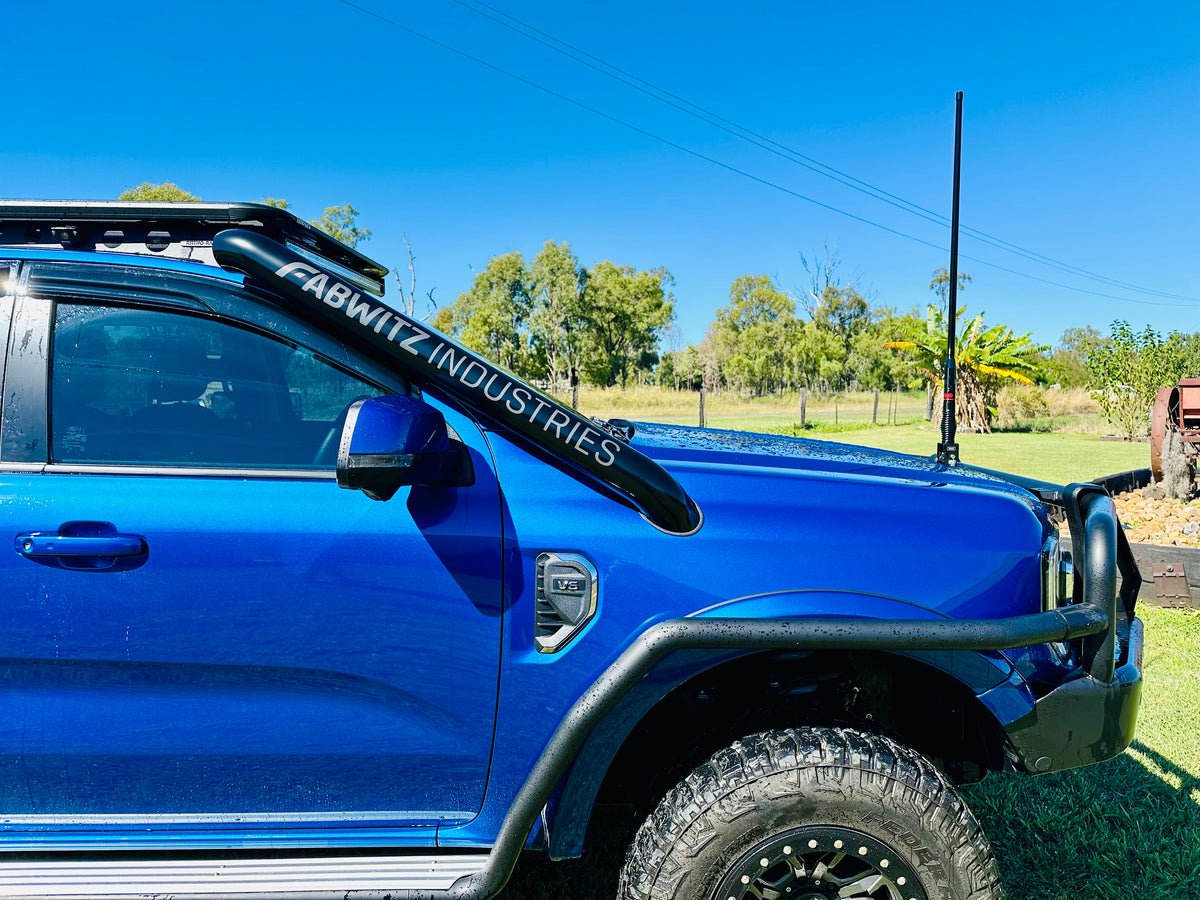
x=758, y=179
x=771, y=146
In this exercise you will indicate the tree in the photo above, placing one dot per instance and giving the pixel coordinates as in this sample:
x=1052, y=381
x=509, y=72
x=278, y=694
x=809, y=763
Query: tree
x=939, y=283
x=822, y=269
x=492, y=317
x=443, y=320
x=557, y=320
x=341, y=223
x=408, y=298
x=670, y=366
x=682, y=369
x=844, y=314
x=1125, y=372
x=870, y=361
x=751, y=334
x=1067, y=366
x=555, y=316
x=984, y=357
x=167, y=191
x=814, y=355
x=626, y=312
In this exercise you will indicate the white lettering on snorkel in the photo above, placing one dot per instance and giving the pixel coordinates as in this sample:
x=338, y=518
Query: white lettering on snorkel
x=520, y=395
x=285, y=271
x=552, y=422
x=455, y=364
x=487, y=390
x=407, y=343
x=483, y=373
x=363, y=311
x=338, y=294
x=316, y=284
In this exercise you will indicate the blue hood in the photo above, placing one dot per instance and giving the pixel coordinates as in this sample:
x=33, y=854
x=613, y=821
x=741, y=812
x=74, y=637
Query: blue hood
x=676, y=443
x=819, y=514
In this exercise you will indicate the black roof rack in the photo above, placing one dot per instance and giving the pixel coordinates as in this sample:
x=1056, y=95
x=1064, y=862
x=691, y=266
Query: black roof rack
x=175, y=230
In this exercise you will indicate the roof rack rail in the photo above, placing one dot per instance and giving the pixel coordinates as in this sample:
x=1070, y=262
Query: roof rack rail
x=174, y=230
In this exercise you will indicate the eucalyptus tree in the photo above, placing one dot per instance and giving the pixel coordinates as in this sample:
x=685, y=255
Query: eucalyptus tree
x=624, y=315
x=167, y=191
x=557, y=317
x=751, y=335
x=492, y=317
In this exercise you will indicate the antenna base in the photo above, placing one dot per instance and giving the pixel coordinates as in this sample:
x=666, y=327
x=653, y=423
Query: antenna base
x=947, y=454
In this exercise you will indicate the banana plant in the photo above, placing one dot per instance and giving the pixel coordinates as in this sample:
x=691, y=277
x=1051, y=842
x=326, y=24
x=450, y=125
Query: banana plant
x=985, y=356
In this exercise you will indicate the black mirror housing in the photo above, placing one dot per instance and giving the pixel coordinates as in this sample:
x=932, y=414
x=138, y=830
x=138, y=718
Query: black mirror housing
x=390, y=442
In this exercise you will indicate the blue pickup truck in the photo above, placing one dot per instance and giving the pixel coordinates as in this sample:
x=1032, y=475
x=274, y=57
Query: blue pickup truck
x=303, y=599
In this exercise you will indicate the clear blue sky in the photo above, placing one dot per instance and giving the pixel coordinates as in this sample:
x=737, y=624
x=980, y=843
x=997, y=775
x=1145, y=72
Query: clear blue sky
x=1081, y=138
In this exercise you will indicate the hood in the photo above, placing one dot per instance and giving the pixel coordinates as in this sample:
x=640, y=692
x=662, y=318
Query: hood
x=710, y=447
x=810, y=515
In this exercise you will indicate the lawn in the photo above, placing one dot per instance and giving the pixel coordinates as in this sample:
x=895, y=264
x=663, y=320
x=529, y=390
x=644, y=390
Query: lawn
x=1058, y=457
x=1075, y=451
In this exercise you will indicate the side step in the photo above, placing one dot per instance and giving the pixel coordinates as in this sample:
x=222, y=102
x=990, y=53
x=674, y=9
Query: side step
x=298, y=876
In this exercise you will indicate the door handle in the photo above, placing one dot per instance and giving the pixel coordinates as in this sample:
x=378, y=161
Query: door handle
x=88, y=546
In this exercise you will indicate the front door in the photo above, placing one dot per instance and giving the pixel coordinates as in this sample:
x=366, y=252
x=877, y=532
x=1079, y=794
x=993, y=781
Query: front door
x=202, y=632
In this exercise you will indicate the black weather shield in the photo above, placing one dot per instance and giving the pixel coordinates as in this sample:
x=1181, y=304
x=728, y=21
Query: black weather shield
x=581, y=443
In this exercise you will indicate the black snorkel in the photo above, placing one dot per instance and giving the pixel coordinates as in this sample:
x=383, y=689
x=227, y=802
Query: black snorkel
x=582, y=444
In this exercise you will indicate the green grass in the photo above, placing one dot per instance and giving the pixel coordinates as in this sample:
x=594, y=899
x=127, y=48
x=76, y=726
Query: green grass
x=1124, y=829
x=683, y=407
x=1073, y=452
x=1058, y=457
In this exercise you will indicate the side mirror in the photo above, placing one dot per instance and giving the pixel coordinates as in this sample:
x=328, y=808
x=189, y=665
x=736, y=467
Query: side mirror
x=389, y=442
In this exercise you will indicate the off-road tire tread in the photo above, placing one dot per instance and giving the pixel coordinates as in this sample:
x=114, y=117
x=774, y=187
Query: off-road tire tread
x=755, y=769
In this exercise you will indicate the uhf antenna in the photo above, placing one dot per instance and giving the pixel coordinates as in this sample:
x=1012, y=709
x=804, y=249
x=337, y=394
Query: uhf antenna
x=947, y=451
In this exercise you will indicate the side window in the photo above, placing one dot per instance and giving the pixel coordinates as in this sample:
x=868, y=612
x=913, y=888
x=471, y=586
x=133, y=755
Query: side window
x=145, y=387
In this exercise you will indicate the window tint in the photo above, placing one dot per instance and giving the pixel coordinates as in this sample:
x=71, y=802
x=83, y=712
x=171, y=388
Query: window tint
x=144, y=387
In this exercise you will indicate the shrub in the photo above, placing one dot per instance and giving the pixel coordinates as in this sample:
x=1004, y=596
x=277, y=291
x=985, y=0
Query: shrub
x=1020, y=405
x=1074, y=401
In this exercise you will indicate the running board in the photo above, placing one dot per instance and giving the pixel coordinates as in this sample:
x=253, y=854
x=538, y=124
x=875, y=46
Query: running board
x=193, y=878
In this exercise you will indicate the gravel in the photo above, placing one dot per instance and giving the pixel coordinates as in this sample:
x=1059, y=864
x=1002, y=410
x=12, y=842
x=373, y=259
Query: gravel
x=1148, y=520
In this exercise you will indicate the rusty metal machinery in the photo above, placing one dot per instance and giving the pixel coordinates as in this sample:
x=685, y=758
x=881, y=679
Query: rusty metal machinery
x=1176, y=409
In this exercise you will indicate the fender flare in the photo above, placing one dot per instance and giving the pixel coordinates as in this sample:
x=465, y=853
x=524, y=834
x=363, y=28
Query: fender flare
x=570, y=808
x=673, y=635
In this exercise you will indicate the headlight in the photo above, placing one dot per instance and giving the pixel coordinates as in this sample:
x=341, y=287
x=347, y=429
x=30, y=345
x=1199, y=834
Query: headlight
x=1058, y=574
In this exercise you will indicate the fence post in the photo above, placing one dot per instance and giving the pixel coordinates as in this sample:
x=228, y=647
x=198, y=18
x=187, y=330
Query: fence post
x=875, y=409
x=702, y=418
x=574, y=390
x=803, y=406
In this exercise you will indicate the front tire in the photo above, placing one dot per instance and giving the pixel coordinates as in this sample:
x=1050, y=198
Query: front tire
x=811, y=814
